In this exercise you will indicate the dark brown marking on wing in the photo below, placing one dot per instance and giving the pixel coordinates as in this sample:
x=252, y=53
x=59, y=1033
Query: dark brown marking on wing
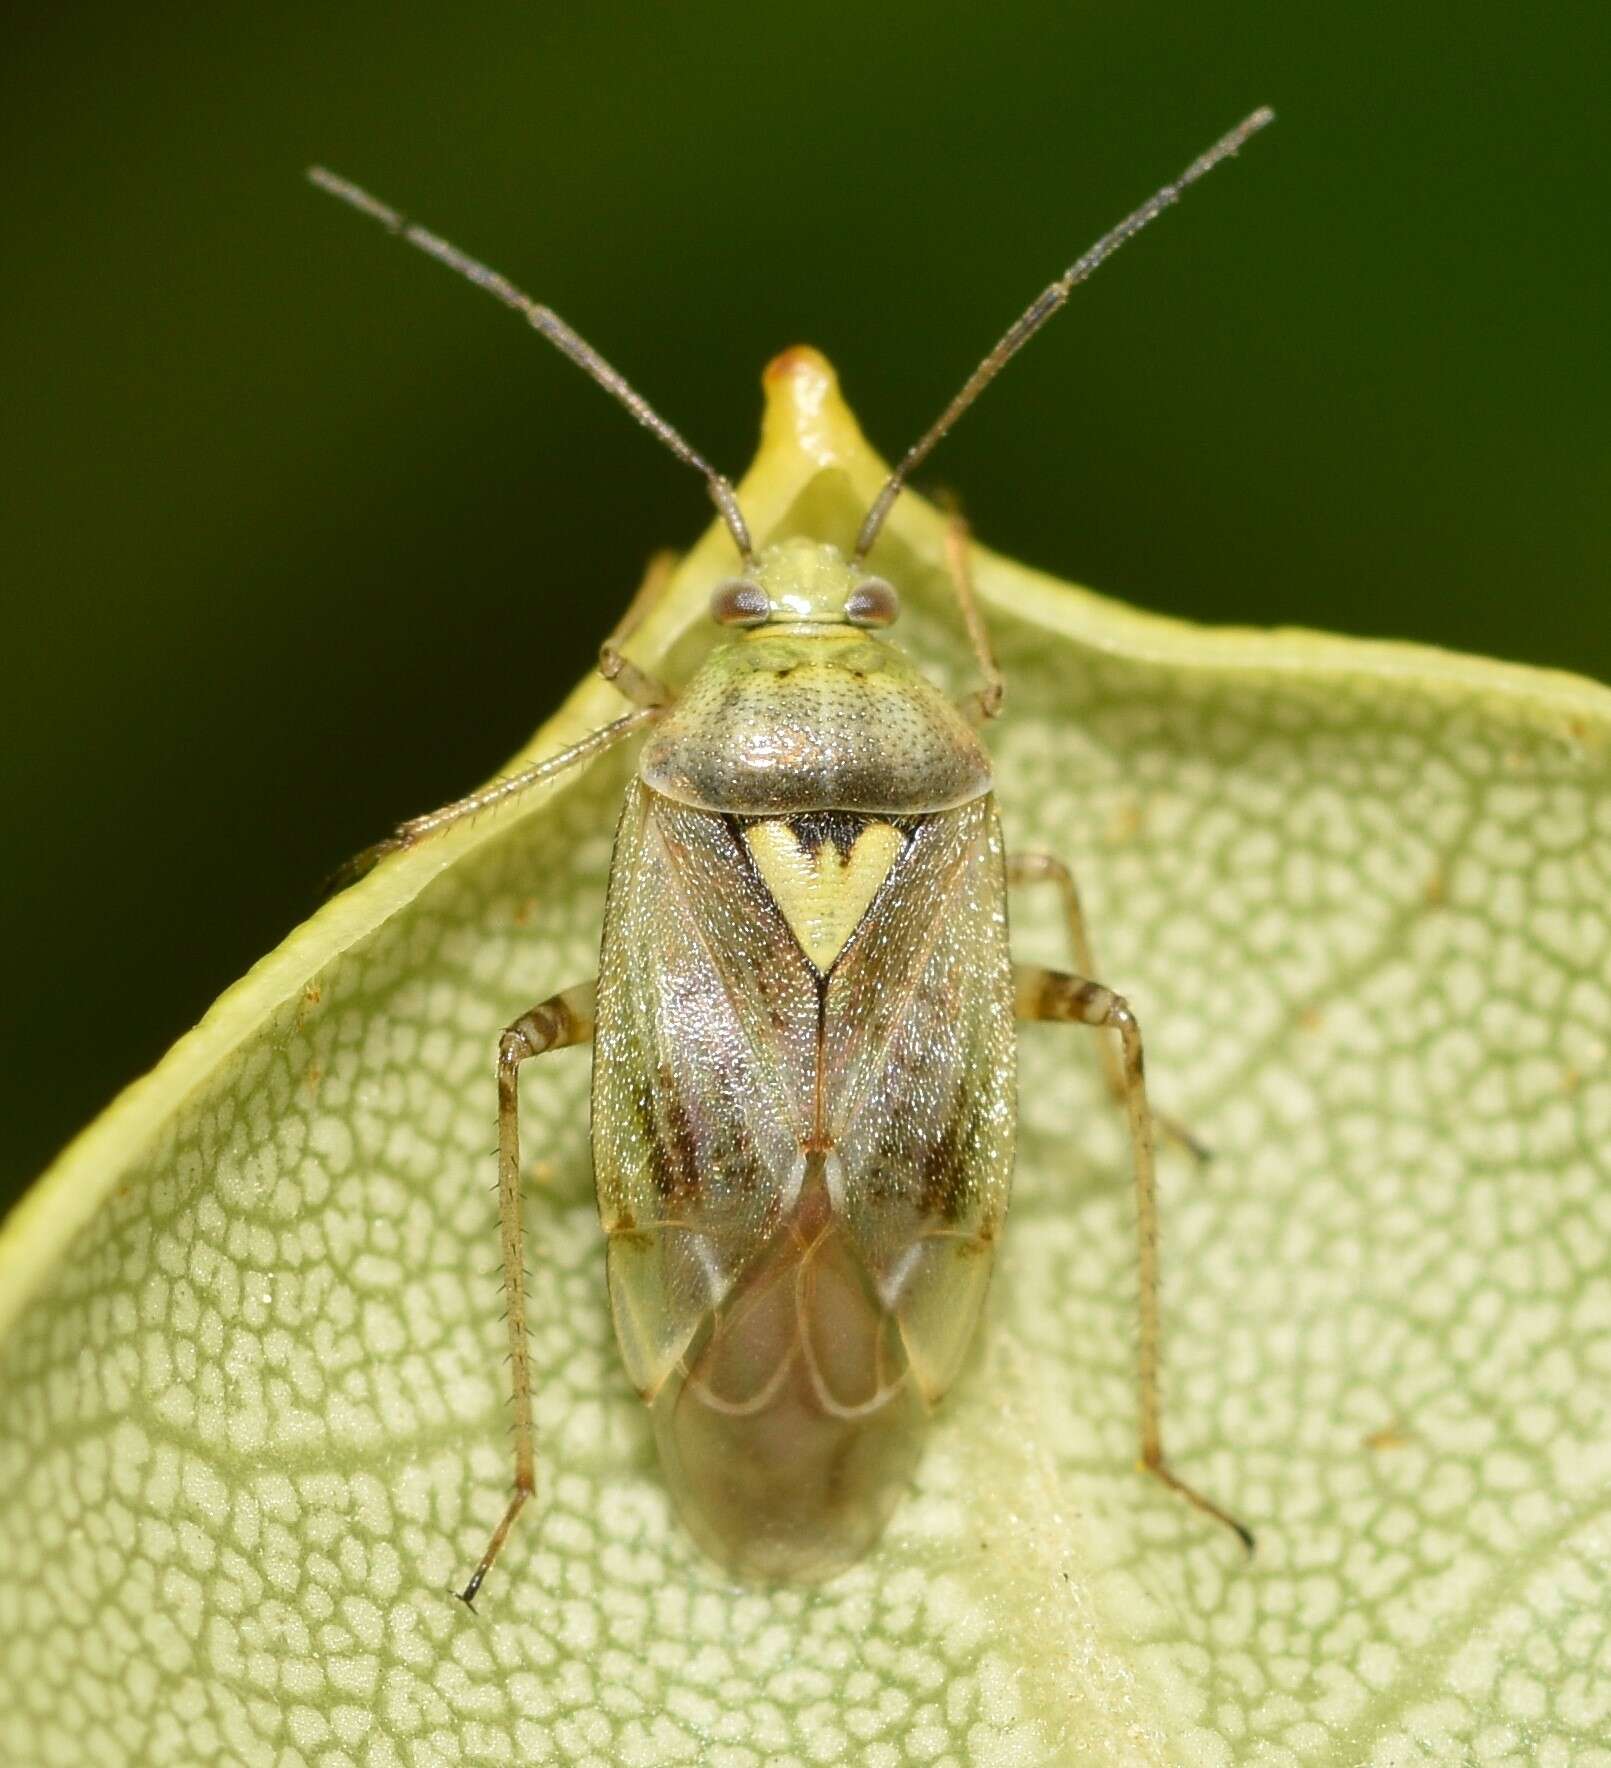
x=677, y=1147
x=942, y=1166
x=941, y=1163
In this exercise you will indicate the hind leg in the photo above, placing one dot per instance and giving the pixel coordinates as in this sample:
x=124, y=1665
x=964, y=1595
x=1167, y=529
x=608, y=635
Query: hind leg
x=558, y=1023
x=1056, y=996
x=1045, y=868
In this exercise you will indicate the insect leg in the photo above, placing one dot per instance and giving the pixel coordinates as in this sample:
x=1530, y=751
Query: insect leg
x=1046, y=868
x=1072, y=1000
x=420, y=828
x=641, y=688
x=555, y=1024
x=983, y=703
x=647, y=694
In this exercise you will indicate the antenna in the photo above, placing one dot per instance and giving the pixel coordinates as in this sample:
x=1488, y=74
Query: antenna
x=548, y=322
x=1041, y=309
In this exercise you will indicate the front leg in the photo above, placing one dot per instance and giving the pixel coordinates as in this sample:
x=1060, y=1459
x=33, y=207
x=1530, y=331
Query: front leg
x=500, y=792
x=984, y=703
x=1072, y=1000
x=555, y=1024
x=649, y=696
x=636, y=684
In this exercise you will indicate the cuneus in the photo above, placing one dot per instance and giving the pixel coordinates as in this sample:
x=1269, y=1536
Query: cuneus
x=803, y=1024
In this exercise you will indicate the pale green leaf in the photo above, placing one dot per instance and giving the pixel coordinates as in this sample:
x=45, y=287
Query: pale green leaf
x=251, y=1388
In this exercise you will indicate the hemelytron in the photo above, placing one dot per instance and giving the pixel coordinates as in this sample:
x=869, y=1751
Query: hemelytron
x=803, y=1107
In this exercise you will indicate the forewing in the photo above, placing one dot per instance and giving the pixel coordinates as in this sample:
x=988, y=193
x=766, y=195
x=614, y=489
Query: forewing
x=704, y=1071
x=920, y=1081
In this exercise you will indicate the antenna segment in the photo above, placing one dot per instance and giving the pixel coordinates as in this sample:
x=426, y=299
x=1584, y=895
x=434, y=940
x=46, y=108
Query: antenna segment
x=1041, y=309
x=548, y=322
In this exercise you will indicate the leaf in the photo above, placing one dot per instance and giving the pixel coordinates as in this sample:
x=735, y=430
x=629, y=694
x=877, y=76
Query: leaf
x=251, y=1389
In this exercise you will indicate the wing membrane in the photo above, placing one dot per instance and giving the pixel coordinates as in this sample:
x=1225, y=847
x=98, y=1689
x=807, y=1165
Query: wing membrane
x=723, y=1059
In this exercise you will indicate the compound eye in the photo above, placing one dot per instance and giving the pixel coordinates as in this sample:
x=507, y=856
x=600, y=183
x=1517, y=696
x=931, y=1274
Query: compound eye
x=873, y=602
x=738, y=602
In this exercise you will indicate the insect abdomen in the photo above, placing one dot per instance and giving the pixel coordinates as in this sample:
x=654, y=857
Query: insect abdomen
x=794, y=1423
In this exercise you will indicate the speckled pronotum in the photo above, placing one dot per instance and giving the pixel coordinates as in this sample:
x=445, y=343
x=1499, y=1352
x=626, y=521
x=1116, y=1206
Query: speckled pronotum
x=804, y=1057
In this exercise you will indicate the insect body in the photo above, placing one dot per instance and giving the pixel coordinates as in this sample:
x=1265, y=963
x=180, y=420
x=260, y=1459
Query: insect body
x=804, y=1049
x=803, y=1079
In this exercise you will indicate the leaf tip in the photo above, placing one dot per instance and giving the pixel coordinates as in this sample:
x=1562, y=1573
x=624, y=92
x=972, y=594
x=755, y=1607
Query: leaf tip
x=800, y=365
x=805, y=411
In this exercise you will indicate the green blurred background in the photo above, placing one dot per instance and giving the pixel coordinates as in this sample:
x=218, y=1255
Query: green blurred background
x=302, y=535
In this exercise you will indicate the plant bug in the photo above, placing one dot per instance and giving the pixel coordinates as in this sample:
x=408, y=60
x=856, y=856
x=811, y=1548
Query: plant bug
x=803, y=1110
